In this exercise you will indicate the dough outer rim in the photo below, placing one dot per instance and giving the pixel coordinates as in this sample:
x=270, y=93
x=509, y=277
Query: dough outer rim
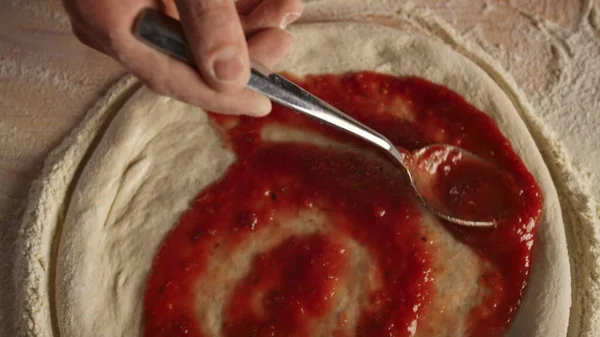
x=37, y=275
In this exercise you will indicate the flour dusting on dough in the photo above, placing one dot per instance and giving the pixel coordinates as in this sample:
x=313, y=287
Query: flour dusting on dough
x=44, y=214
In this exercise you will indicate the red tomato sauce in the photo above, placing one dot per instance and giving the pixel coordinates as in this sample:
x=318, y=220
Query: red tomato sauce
x=464, y=186
x=290, y=287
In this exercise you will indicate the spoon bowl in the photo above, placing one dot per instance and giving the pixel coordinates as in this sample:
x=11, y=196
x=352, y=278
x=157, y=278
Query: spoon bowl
x=457, y=185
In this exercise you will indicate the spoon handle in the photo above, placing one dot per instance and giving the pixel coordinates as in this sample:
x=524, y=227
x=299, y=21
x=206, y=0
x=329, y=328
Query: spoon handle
x=165, y=34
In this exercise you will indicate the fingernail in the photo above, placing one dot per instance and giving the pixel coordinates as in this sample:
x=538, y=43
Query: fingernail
x=288, y=19
x=228, y=65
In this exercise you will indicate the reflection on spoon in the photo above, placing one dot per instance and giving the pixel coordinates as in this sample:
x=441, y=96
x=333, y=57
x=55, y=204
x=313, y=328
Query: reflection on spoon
x=458, y=184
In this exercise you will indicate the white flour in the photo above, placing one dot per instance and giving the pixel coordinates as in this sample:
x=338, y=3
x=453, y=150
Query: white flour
x=572, y=100
x=565, y=107
x=571, y=107
x=38, y=81
x=568, y=96
x=568, y=100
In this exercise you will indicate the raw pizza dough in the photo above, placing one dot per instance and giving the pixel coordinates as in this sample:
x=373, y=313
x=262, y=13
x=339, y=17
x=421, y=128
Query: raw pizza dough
x=157, y=154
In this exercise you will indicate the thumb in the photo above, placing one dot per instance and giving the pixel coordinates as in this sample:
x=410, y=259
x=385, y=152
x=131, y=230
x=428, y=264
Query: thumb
x=217, y=42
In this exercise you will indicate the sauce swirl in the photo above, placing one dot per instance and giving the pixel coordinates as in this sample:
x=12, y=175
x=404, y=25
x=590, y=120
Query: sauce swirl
x=298, y=284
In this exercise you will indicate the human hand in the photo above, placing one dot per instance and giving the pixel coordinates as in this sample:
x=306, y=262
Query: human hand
x=223, y=36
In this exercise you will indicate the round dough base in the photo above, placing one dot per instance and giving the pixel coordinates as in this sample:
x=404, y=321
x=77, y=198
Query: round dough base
x=156, y=154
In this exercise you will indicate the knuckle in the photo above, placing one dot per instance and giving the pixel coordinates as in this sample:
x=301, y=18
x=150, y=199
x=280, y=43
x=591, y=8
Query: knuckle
x=291, y=6
x=295, y=4
x=79, y=35
x=70, y=7
x=158, y=86
x=198, y=97
x=209, y=9
x=83, y=37
x=164, y=87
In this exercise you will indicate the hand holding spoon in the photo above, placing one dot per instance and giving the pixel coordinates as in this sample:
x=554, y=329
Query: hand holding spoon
x=426, y=167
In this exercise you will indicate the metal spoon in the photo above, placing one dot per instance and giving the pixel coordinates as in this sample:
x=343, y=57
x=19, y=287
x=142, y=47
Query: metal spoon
x=165, y=34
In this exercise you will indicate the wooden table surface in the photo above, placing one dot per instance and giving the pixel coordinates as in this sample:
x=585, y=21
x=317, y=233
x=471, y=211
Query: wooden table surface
x=48, y=80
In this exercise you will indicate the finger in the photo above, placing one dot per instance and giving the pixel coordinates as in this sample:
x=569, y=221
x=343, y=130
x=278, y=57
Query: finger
x=217, y=42
x=167, y=76
x=112, y=34
x=246, y=6
x=91, y=40
x=269, y=46
x=168, y=7
x=81, y=35
x=273, y=14
x=88, y=32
